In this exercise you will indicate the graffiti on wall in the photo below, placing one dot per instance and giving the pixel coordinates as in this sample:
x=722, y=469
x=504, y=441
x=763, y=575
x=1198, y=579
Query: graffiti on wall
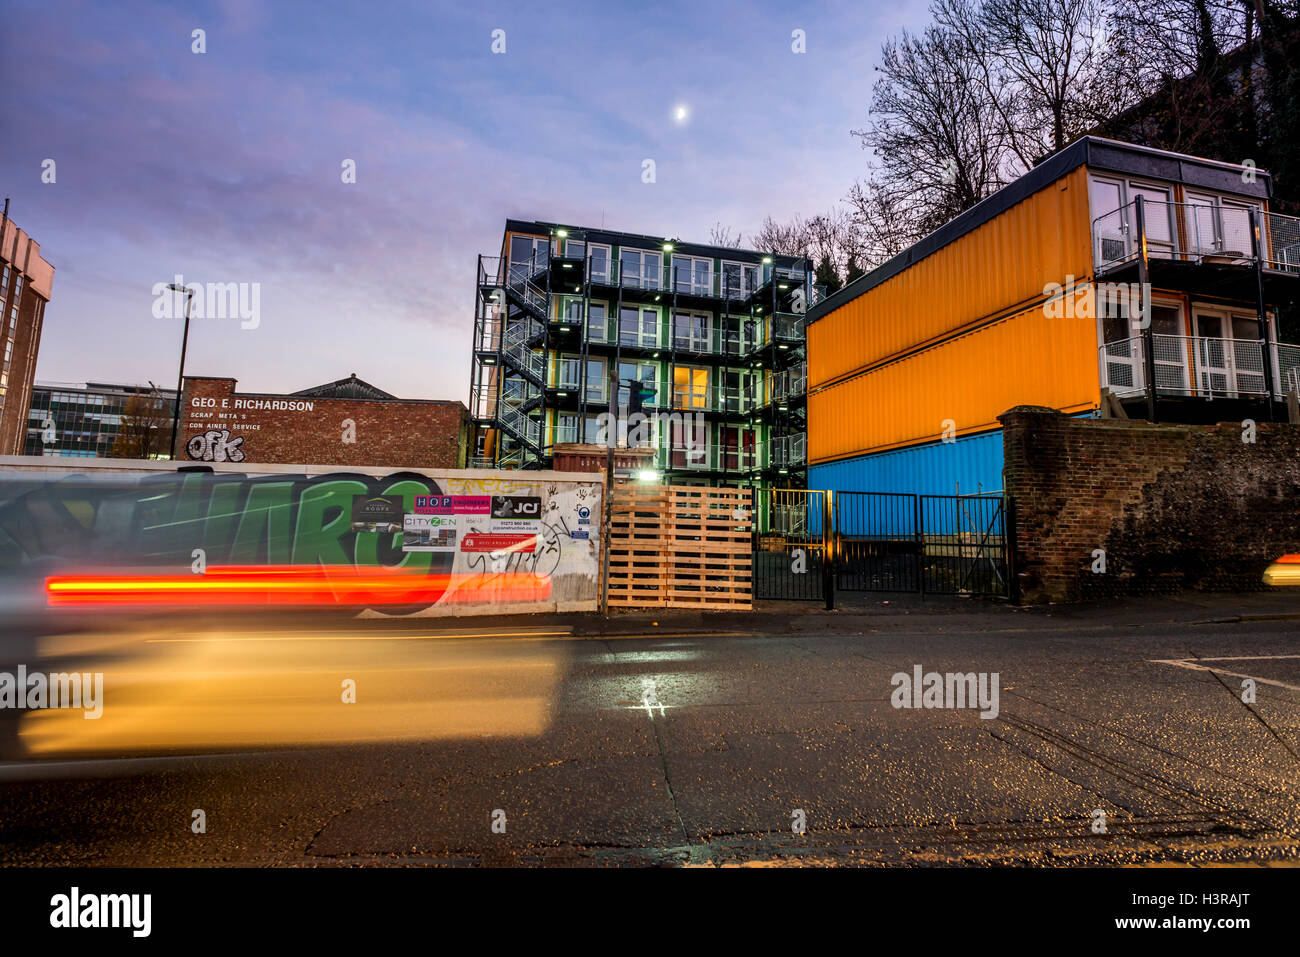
x=215, y=445
x=475, y=543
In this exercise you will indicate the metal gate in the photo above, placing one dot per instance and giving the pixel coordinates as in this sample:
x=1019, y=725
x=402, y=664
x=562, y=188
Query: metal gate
x=931, y=544
x=792, y=531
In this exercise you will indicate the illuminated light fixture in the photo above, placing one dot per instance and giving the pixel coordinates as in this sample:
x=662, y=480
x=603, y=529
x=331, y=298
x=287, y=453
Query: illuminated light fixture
x=668, y=247
x=783, y=346
x=656, y=298
x=570, y=266
x=767, y=260
x=564, y=328
x=785, y=286
x=562, y=394
x=648, y=475
x=562, y=233
x=655, y=356
x=489, y=362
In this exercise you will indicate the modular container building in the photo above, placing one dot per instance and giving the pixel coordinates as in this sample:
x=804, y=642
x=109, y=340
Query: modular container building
x=1110, y=279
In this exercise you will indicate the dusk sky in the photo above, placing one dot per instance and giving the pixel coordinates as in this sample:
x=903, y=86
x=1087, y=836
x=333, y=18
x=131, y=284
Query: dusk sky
x=225, y=167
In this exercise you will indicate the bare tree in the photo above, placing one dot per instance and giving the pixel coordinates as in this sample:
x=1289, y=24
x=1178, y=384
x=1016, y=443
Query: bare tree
x=720, y=235
x=940, y=146
x=1053, y=56
x=883, y=225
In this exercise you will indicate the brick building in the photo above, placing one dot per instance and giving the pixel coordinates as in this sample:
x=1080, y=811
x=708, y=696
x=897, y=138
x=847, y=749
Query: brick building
x=25, y=283
x=348, y=422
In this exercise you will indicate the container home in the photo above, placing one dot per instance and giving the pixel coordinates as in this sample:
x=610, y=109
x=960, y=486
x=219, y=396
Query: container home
x=1111, y=279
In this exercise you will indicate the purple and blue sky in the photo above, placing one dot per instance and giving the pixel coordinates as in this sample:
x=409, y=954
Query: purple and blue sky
x=225, y=166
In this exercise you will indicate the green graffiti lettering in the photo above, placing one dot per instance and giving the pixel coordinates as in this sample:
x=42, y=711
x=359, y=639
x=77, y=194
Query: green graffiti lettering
x=315, y=540
x=264, y=526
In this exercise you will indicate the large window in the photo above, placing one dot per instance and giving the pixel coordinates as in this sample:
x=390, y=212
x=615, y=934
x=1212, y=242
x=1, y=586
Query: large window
x=1113, y=203
x=737, y=390
x=689, y=447
x=566, y=428
x=690, y=387
x=691, y=331
x=569, y=373
x=638, y=326
x=640, y=269
x=596, y=384
x=645, y=373
x=597, y=322
x=737, y=447
x=528, y=254
x=598, y=258
x=738, y=280
x=691, y=275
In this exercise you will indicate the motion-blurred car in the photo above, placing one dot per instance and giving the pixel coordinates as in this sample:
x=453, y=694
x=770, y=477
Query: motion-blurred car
x=1284, y=571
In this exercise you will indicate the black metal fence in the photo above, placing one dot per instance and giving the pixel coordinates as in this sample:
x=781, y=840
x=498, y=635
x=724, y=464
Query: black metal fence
x=809, y=543
x=791, y=544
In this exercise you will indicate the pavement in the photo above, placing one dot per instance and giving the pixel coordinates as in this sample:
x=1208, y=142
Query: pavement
x=1123, y=735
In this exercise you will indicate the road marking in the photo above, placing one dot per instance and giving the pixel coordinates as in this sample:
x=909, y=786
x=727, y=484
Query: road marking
x=1192, y=664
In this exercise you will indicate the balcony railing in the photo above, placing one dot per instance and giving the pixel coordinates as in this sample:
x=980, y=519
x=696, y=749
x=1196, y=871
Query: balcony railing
x=1196, y=232
x=1198, y=366
x=789, y=451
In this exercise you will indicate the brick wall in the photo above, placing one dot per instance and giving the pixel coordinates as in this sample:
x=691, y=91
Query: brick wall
x=426, y=434
x=1173, y=506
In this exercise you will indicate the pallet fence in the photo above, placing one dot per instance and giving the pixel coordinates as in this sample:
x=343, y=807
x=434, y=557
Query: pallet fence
x=680, y=546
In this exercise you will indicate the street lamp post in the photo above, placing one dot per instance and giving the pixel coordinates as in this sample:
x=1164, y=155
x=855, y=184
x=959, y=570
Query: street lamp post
x=180, y=377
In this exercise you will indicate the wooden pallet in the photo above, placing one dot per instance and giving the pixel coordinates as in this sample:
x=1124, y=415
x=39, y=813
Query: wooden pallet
x=680, y=546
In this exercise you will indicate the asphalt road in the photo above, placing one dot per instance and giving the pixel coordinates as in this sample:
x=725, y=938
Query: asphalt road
x=740, y=737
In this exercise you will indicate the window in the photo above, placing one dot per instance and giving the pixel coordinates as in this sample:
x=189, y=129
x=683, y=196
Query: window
x=596, y=384
x=528, y=254
x=598, y=257
x=638, y=326
x=1228, y=350
x=646, y=373
x=597, y=326
x=738, y=280
x=573, y=312
x=690, y=387
x=691, y=330
x=1113, y=205
x=737, y=447
x=566, y=428
x=737, y=390
x=570, y=368
x=691, y=275
x=689, y=444
x=1218, y=227
x=640, y=269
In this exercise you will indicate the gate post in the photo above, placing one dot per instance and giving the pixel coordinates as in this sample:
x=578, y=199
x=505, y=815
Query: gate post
x=920, y=544
x=1009, y=547
x=829, y=543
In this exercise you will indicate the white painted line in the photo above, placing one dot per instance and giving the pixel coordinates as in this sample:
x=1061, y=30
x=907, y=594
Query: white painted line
x=1191, y=665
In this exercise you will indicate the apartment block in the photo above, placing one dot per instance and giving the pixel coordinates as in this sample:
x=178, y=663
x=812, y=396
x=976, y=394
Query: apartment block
x=707, y=340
